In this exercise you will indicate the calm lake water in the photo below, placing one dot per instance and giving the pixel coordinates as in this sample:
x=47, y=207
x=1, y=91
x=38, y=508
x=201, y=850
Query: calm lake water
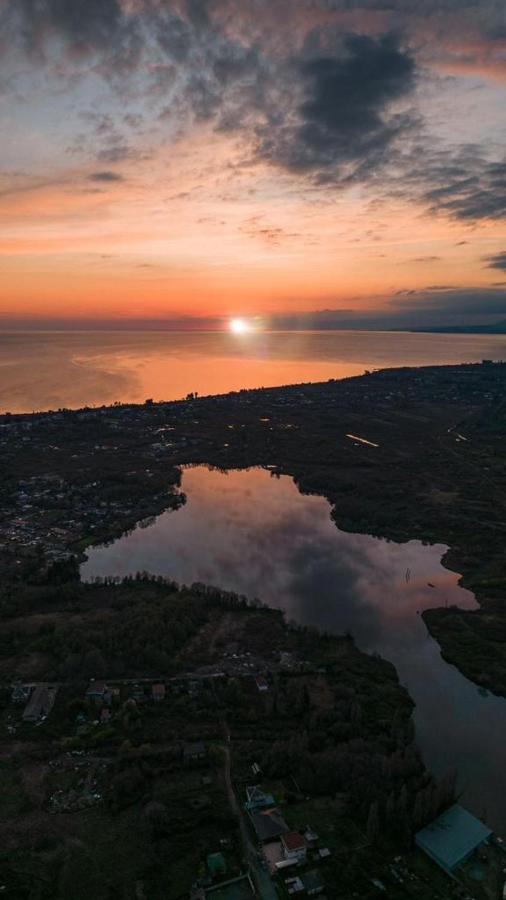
x=257, y=535
x=47, y=370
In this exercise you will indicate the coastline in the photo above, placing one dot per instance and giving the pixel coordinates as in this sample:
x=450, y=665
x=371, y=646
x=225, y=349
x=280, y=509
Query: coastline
x=413, y=484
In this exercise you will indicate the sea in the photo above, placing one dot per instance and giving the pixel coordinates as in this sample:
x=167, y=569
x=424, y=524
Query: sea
x=50, y=370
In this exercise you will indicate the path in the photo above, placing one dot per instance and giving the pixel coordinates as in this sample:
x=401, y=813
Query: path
x=261, y=877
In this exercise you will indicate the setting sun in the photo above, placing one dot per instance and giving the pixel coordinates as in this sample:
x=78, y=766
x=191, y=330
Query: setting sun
x=239, y=326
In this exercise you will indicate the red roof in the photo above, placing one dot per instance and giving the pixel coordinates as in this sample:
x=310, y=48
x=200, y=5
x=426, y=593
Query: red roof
x=294, y=841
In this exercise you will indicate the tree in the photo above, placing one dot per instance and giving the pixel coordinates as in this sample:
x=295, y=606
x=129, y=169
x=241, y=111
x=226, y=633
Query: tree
x=155, y=818
x=373, y=823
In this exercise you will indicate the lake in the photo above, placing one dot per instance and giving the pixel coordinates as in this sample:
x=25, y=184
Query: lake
x=48, y=370
x=256, y=534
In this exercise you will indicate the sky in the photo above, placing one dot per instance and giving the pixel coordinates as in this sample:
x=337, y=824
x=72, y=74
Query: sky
x=297, y=163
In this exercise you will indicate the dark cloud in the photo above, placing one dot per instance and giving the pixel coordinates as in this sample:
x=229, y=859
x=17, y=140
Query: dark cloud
x=466, y=186
x=425, y=259
x=332, y=104
x=498, y=261
x=86, y=25
x=342, y=113
x=105, y=177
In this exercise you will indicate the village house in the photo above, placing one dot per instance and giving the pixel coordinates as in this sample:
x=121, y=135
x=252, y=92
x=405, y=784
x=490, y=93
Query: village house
x=258, y=799
x=97, y=692
x=41, y=702
x=294, y=846
x=269, y=824
x=158, y=692
x=194, y=752
x=21, y=692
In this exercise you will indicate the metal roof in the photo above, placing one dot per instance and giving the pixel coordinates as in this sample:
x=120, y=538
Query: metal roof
x=452, y=837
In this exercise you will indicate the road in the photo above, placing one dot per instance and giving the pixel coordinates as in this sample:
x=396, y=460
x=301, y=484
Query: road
x=262, y=879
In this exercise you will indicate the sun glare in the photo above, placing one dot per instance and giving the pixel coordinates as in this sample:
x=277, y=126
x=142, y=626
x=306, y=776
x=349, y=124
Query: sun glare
x=238, y=326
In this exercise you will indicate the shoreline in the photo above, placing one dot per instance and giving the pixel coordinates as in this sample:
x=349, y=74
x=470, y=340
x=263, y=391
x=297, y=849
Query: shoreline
x=411, y=483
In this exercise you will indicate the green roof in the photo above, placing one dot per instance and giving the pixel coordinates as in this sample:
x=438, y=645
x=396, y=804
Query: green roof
x=452, y=837
x=216, y=864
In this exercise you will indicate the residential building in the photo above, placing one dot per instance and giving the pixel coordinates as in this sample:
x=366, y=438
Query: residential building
x=41, y=702
x=294, y=846
x=453, y=837
x=158, y=692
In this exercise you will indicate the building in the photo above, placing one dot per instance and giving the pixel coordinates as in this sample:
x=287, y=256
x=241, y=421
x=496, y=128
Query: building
x=41, y=702
x=21, y=692
x=216, y=864
x=313, y=883
x=158, y=692
x=452, y=838
x=194, y=752
x=258, y=799
x=96, y=692
x=294, y=846
x=269, y=824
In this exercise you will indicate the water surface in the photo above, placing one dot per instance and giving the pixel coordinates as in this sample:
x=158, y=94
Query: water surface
x=48, y=370
x=256, y=534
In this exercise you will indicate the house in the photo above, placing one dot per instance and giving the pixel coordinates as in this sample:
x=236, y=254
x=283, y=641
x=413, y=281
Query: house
x=294, y=885
x=313, y=883
x=311, y=836
x=158, y=692
x=294, y=846
x=452, y=838
x=216, y=864
x=269, y=824
x=138, y=694
x=21, y=692
x=261, y=684
x=41, y=702
x=96, y=692
x=194, y=752
x=257, y=799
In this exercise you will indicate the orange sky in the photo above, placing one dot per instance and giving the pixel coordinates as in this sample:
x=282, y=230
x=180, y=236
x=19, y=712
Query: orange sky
x=116, y=204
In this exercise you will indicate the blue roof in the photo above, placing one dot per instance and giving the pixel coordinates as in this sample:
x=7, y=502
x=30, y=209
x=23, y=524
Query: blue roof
x=451, y=838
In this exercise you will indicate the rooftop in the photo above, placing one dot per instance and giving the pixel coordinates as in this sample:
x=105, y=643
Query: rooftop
x=452, y=837
x=294, y=841
x=269, y=824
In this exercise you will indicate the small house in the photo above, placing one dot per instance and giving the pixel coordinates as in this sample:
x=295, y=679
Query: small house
x=20, y=692
x=313, y=883
x=216, y=864
x=294, y=846
x=41, y=702
x=158, y=692
x=96, y=692
x=269, y=824
x=194, y=752
x=258, y=799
